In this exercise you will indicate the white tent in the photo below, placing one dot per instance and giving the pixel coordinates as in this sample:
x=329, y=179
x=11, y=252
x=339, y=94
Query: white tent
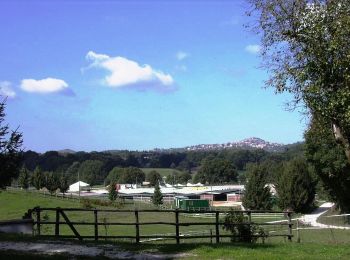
x=75, y=186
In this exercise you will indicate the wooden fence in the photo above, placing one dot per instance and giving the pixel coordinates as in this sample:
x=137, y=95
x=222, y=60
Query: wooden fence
x=60, y=214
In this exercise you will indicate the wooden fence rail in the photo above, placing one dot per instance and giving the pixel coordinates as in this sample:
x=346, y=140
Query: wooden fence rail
x=61, y=218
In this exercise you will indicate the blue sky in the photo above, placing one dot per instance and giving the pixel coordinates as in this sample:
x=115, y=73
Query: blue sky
x=98, y=75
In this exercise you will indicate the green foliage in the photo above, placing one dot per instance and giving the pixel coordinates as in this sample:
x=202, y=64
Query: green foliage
x=23, y=179
x=86, y=203
x=178, y=177
x=217, y=171
x=241, y=230
x=306, y=46
x=72, y=172
x=10, y=150
x=154, y=177
x=63, y=183
x=296, y=187
x=92, y=203
x=38, y=178
x=157, y=198
x=133, y=175
x=112, y=191
x=330, y=163
x=90, y=171
x=52, y=182
x=115, y=175
x=126, y=175
x=257, y=195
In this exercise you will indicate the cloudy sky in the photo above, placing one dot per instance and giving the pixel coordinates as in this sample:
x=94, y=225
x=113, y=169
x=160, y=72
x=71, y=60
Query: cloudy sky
x=97, y=75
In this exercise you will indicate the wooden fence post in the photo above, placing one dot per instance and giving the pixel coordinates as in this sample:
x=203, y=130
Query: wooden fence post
x=298, y=231
x=57, y=225
x=177, y=226
x=217, y=219
x=289, y=214
x=96, y=225
x=137, y=226
x=37, y=209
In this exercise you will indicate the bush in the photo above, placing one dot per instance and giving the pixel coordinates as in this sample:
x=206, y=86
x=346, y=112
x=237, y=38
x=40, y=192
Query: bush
x=241, y=230
x=86, y=203
x=90, y=203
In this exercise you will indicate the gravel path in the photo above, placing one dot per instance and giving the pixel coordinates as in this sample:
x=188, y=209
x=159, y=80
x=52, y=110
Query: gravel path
x=311, y=219
x=66, y=249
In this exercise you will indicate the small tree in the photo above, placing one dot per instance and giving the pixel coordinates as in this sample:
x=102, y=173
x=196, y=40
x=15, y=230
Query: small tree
x=157, y=196
x=63, y=184
x=38, y=178
x=112, y=192
x=23, y=179
x=296, y=187
x=10, y=150
x=234, y=222
x=52, y=183
x=257, y=195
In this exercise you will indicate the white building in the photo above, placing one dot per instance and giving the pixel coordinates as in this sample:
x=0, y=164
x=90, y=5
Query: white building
x=80, y=185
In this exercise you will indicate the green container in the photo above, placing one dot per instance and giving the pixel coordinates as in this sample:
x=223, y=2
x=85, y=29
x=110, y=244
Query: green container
x=193, y=204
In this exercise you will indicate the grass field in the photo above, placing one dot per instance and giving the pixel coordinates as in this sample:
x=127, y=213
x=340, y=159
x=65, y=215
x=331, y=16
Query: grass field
x=315, y=244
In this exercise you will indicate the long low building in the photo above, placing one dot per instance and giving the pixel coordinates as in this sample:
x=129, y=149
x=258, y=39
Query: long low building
x=132, y=189
x=212, y=193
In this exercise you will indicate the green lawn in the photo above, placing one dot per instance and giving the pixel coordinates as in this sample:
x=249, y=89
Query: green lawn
x=15, y=203
x=315, y=244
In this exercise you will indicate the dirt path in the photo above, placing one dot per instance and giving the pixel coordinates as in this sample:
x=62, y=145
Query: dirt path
x=311, y=219
x=66, y=249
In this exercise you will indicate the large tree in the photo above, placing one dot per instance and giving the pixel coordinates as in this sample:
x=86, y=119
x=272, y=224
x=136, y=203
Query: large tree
x=217, y=170
x=306, y=49
x=90, y=170
x=257, y=194
x=330, y=163
x=296, y=186
x=126, y=175
x=10, y=150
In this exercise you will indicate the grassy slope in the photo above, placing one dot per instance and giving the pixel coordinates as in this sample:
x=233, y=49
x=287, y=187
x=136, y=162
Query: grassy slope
x=15, y=204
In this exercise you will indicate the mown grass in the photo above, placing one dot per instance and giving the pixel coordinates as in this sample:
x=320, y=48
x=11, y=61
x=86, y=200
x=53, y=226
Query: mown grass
x=315, y=244
x=15, y=203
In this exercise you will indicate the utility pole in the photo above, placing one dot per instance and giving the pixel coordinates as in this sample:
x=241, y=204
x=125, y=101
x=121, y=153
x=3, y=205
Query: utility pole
x=79, y=182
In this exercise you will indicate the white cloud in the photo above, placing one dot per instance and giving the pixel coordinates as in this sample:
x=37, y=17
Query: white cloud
x=125, y=72
x=6, y=89
x=48, y=85
x=181, y=55
x=253, y=48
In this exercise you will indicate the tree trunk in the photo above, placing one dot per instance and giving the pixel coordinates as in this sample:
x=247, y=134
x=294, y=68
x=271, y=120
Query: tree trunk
x=342, y=139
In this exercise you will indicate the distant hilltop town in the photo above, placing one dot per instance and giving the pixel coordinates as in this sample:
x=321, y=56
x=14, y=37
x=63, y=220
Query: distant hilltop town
x=249, y=143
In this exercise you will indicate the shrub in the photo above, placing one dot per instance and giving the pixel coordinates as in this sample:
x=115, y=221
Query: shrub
x=241, y=230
